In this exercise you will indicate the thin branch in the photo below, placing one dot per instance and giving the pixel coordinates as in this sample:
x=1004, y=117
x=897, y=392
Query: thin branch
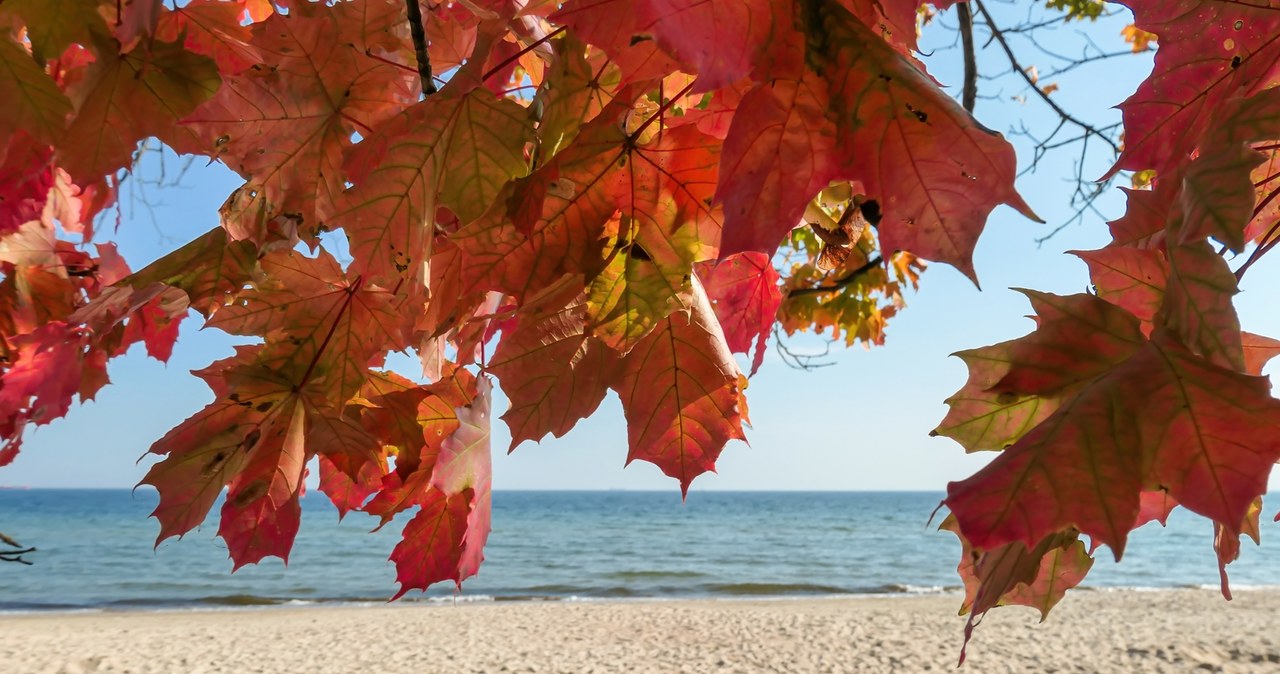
x=1267, y=244
x=998, y=36
x=800, y=361
x=420, y=47
x=841, y=283
x=16, y=554
x=970, y=97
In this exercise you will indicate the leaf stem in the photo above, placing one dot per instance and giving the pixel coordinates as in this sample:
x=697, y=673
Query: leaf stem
x=370, y=54
x=333, y=327
x=1268, y=242
x=516, y=56
x=662, y=110
x=420, y=47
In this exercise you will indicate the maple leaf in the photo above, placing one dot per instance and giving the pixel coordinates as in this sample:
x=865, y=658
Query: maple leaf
x=1015, y=385
x=1143, y=224
x=212, y=29
x=1209, y=53
x=464, y=467
x=934, y=170
x=321, y=329
x=545, y=395
x=635, y=263
x=445, y=539
x=766, y=44
x=433, y=540
x=573, y=93
x=744, y=292
x=53, y=25
x=1258, y=351
x=1165, y=417
x=291, y=148
x=26, y=177
x=136, y=20
x=1133, y=279
x=1154, y=506
x=1218, y=190
x=1226, y=542
x=779, y=152
x=611, y=26
x=203, y=454
x=42, y=376
x=1197, y=304
x=456, y=149
x=261, y=514
x=36, y=104
x=1013, y=574
x=1077, y=338
x=451, y=35
x=126, y=99
x=415, y=421
x=210, y=270
x=681, y=393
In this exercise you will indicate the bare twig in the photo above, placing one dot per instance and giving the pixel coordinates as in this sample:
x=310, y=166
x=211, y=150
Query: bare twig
x=998, y=36
x=800, y=361
x=14, y=555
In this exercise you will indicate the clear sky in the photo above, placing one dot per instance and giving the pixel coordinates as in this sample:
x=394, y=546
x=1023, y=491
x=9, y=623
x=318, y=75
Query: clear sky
x=860, y=424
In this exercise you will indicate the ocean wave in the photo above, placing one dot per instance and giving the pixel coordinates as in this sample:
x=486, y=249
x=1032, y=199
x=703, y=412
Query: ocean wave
x=773, y=589
x=653, y=575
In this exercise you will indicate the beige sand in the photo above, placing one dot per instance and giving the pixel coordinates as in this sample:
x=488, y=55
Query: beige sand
x=1093, y=631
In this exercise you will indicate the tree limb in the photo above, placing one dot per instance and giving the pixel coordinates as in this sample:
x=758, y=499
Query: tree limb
x=970, y=95
x=840, y=284
x=420, y=47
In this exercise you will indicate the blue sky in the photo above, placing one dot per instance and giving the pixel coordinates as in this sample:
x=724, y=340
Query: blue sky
x=859, y=424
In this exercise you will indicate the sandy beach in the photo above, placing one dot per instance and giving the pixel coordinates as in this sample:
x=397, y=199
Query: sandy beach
x=1093, y=631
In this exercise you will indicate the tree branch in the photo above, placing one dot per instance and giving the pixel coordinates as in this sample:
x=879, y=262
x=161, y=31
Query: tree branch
x=16, y=554
x=840, y=284
x=998, y=36
x=970, y=96
x=420, y=47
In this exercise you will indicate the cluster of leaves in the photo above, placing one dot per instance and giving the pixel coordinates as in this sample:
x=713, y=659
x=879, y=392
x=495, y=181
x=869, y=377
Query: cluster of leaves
x=570, y=197
x=1143, y=395
x=619, y=195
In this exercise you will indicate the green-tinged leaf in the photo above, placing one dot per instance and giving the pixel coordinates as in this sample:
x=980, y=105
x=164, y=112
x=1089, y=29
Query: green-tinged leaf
x=290, y=148
x=1197, y=304
x=35, y=104
x=1133, y=279
x=124, y=100
x=210, y=270
x=1077, y=338
x=552, y=371
x=54, y=25
x=681, y=393
x=455, y=150
x=1165, y=419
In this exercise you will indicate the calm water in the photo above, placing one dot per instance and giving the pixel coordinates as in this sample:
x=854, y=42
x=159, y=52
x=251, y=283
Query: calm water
x=95, y=550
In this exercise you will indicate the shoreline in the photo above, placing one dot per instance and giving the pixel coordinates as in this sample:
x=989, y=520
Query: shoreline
x=1117, y=630
x=240, y=602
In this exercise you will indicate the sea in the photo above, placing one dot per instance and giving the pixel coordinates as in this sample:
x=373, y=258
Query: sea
x=95, y=552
